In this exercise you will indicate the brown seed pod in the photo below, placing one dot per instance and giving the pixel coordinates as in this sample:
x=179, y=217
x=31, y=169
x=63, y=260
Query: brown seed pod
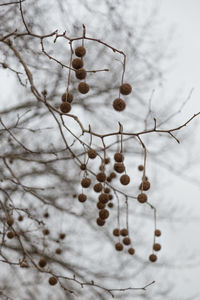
x=58, y=251
x=101, y=177
x=65, y=107
x=156, y=247
x=82, y=197
x=42, y=262
x=83, y=167
x=81, y=74
x=107, y=190
x=92, y=153
x=103, y=198
x=124, y=179
x=110, y=205
x=119, y=104
x=77, y=63
x=103, y=214
x=85, y=182
x=110, y=197
x=140, y=167
x=131, y=251
x=119, y=247
x=119, y=167
x=124, y=232
x=62, y=236
x=83, y=88
x=142, y=198
x=145, y=186
x=113, y=175
x=109, y=179
x=152, y=257
x=10, y=221
x=45, y=231
x=125, y=89
x=53, y=280
x=107, y=161
x=118, y=157
x=100, y=205
x=10, y=234
x=20, y=218
x=67, y=97
x=126, y=241
x=101, y=167
x=100, y=222
x=157, y=232
x=98, y=187
x=80, y=51
x=116, y=232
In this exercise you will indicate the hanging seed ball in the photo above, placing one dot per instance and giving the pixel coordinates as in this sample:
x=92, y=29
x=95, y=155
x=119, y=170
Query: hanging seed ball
x=119, y=104
x=100, y=222
x=146, y=186
x=118, y=157
x=102, y=167
x=82, y=197
x=124, y=232
x=83, y=167
x=58, y=251
x=62, y=236
x=80, y=51
x=10, y=221
x=152, y=257
x=92, y=153
x=45, y=231
x=110, y=197
x=126, y=241
x=101, y=177
x=110, y=205
x=10, y=234
x=77, y=63
x=103, y=214
x=107, y=190
x=98, y=187
x=119, y=247
x=65, y=107
x=156, y=247
x=100, y=205
x=142, y=198
x=113, y=175
x=124, y=179
x=119, y=167
x=157, y=232
x=20, y=218
x=109, y=179
x=140, y=167
x=81, y=74
x=53, y=280
x=131, y=251
x=85, y=182
x=125, y=89
x=107, y=161
x=103, y=198
x=67, y=97
x=116, y=232
x=42, y=262
x=83, y=88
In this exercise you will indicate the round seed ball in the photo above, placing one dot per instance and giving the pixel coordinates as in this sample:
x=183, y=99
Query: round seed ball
x=100, y=222
x=10, y=221
x=107, y=161
x=101, y=177
x=140, y=167
x=92, y=153
x=119, y=167
x=103, y=198
x=119, y=247
x=146, y=186
x=107, y=190
x=80, y=51
x=83, y=88
x=152, y=257
x=131, y=251
x=67, y=97
x=157, y=232
x=124, y=232
x=45, y=231
x=126, y=241
x=142, y=198
x=103, y=214
x=85, y=182
x=20, y=218
x=53, y=280
x=119, y=104
x=113, y=175
x=65, y=107
x=82, y=197
x=62, y=236
x=109, y=179
x=77, y=63
x=125, y=89
x=58, y=251
x=110, y=205
x=81, y=74
x=156, y=247
x=100, y=205
x=10, y=234
x=124, y=179
x=110, y=197
x=98, y=187
x=83, y=167
x=118, y=157
x=42, y=262
x=116, y=232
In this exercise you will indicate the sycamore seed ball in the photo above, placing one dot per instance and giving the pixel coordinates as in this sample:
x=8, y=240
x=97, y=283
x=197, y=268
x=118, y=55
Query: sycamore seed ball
x=81, y=74
x=98, y=187
x=100, y=222
x=156, y=247
x=65, y=107
x=67, y=97
x=118, y=157
x=125, y=89
x=119, y=104
x=83, y=88
x=124, y=179
x=116, y=232
x=118, y=246
x=80, y=51
x=92, y=153
x=82, y=197
x=142, y=198
x=85, y=182
x=152, y=257
x=77, y=63
x=53, y=280
x=157, y=232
